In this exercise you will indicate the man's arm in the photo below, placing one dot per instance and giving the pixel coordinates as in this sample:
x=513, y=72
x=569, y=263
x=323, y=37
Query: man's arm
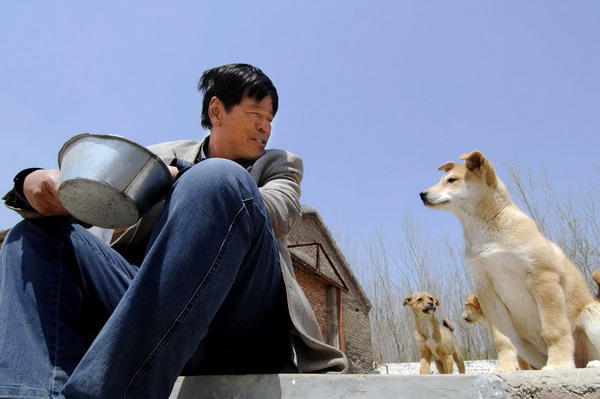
x=278, y=174
x=36, y=194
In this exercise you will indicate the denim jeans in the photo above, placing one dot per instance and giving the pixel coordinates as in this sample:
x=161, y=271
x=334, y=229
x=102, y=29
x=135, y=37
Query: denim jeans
x=78, y=321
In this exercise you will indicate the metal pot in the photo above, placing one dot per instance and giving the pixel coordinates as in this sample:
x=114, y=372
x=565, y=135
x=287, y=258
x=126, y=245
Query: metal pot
x=110, y=181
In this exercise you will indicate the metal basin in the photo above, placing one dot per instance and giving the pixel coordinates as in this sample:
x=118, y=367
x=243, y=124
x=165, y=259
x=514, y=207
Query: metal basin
x=110, y=181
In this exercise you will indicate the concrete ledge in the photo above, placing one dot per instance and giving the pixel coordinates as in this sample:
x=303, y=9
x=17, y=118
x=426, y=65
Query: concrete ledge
x=578, y=383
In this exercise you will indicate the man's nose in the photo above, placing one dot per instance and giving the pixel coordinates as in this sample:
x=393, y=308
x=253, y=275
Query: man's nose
x=264, y=126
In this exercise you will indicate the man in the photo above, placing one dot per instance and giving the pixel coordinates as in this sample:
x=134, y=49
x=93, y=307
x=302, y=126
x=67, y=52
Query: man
x=214, y=292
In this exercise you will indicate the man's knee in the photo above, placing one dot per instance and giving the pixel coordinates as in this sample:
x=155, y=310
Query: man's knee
x=47, y=228
x=216, y=176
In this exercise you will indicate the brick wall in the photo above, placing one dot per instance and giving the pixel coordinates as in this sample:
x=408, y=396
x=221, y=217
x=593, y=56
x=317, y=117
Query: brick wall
x=316, y=294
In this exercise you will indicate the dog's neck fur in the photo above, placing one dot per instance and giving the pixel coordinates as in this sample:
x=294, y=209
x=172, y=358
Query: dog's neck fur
x=425, y=324
x=486, y=214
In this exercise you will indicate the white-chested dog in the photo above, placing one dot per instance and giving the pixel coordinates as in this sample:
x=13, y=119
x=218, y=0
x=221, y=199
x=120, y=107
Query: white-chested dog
x=536, y=301
x=435, y=340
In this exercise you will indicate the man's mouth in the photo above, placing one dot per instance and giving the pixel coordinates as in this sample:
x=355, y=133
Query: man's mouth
x=263, y=142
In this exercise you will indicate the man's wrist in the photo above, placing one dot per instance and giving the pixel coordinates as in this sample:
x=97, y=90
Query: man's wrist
x=19, y=180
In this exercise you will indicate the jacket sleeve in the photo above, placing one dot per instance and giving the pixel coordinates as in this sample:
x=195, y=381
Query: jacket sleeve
x=15, y=199
x=279, y=175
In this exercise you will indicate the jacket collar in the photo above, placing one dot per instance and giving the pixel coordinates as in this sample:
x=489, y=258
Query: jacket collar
x=197, y=153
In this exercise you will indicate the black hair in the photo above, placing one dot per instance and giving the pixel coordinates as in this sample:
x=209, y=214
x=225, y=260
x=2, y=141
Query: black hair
x=230, y=83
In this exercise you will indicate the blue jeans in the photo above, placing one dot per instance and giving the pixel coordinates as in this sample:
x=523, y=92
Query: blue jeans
x=78, y=321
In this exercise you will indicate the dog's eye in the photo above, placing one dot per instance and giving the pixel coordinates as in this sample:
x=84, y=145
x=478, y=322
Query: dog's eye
x=452, y=180
x=420, y=299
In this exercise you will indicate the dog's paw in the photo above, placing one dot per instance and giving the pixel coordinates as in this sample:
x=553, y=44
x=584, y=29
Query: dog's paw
x=593, y=364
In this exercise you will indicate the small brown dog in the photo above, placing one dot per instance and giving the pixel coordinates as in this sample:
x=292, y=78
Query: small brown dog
x=474, y=314
x=435, y=339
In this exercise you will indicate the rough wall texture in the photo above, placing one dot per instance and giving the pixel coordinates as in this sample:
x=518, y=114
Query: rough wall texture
x=359, y=347
x=315, y=292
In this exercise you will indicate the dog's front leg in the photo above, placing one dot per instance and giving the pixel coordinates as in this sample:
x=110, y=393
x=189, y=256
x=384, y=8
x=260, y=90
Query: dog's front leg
x=440, y=366
x=501, y=328
x=425, y=359
x=506, y=351
x=448, y=362
x=556, y=329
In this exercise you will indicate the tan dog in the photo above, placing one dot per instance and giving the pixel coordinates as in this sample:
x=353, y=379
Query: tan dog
x=474, y=314
x=535, y=300
x=435, y=339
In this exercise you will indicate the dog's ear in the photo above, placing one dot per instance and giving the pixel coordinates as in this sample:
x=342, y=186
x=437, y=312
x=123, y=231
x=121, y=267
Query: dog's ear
x=447, y=166
x=473, y=160
x=436, y=301
x=476, y=300
x=407, y=300
x=476, y=162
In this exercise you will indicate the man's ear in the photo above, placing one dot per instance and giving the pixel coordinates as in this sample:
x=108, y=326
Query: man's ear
x=407, y=300
x=215, y=111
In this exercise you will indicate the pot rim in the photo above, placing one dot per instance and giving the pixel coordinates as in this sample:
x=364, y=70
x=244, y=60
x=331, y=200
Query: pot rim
x=110, y=136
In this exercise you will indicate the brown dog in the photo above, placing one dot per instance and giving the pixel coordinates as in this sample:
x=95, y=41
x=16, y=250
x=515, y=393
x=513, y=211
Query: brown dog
x=473, y=314
x=435, y=339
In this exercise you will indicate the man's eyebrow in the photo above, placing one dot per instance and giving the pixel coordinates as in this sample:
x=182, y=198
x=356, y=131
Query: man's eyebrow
x=254, y=105
x=257, y=107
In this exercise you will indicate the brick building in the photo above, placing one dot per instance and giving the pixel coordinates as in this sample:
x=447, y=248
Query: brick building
x=339, y=302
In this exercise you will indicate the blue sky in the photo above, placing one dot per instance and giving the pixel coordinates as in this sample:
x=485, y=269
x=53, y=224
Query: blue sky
x=374, y=95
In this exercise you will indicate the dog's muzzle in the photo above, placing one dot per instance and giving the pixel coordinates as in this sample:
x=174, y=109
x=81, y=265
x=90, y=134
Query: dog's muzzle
x=429, y=309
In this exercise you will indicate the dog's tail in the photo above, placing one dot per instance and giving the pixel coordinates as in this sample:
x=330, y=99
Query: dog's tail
x=446, y=323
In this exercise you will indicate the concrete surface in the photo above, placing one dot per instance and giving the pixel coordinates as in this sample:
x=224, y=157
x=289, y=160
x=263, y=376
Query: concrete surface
x=414, y=368
x=567, y=384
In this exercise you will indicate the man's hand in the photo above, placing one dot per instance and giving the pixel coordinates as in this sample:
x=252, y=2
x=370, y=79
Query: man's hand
x=174, y=171
x=40, y=188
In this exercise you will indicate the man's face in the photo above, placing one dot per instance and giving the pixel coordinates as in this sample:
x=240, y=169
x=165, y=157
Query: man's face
x=243, y=132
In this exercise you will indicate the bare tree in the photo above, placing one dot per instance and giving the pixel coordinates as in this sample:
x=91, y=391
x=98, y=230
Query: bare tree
x=417, y=264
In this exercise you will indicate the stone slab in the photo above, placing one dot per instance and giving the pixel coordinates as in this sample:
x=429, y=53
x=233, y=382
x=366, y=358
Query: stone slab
x=568, y=384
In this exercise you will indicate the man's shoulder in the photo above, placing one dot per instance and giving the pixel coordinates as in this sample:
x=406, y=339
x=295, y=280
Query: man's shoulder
x=278, y=153
x=278, y=159
x=275, y=155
